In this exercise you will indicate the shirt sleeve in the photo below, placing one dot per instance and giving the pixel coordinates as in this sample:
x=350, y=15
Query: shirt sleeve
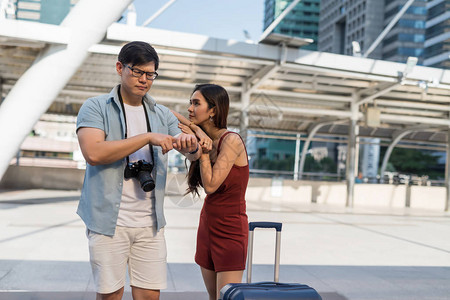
x=90, y=115
x=172, y=123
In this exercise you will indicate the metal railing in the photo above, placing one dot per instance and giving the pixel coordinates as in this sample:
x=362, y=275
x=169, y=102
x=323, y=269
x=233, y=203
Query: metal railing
x=389, y=178
x=319, y=176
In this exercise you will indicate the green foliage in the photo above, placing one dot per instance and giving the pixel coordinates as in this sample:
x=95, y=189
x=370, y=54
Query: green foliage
x=413, y=161
x=311, y=165
x=286, y=164
x=326, y=164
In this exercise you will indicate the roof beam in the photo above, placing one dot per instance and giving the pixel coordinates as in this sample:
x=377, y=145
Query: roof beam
x=378, y=94
x=315, y=96
x=260, y=77
x=114, y=50
x=410, y=104
x=413, y=119
x=33, y=31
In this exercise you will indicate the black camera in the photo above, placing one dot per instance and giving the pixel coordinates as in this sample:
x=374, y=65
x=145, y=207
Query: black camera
x=143, y=171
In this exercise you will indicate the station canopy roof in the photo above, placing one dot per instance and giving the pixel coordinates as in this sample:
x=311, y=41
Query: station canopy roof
x=291, y=90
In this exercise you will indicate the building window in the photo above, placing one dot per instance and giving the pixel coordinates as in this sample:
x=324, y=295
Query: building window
x=412, y=23
x=436, y=30
x=29, y=5
x=28, y=15
x=262, y=152
x=436, y=10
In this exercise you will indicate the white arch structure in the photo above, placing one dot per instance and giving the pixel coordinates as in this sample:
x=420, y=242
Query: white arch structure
x=395, y=140
x=38, y=87
x=311, y=133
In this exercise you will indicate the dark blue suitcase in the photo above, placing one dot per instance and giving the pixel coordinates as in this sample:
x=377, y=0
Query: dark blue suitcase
x=267, y=290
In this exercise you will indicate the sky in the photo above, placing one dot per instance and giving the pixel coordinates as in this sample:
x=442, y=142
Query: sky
x=226, y=19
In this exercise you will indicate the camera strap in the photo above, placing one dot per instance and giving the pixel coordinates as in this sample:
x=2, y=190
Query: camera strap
x=149, y=129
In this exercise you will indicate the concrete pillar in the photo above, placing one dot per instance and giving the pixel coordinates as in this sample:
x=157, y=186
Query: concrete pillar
x=357, y=150
x=408, y=184
x=351, y=154
x=1, y=90
x=447, y=174
x=50, y=72
x=297, y=155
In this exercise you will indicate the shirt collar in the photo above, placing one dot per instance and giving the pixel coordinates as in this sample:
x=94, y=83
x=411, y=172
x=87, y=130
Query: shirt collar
x=114, y=96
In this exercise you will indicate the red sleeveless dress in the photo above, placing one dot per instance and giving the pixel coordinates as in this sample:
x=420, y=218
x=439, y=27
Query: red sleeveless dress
x=222, y=235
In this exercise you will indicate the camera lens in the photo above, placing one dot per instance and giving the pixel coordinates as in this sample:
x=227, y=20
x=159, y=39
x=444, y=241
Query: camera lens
x=146, y=180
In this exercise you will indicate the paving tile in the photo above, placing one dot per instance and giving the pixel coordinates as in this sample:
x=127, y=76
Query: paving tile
x=345, y=254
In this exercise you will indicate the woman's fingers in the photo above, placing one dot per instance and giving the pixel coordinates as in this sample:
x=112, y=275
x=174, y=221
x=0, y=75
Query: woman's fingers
x=206, y=144
x=185, y=129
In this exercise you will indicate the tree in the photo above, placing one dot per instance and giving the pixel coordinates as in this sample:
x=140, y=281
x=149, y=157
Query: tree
x=325, y=165
x=328, y=165
x=414, y=161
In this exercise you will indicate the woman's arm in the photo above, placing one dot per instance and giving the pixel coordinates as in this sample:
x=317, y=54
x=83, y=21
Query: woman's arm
x=190, y=128
x=213, y=177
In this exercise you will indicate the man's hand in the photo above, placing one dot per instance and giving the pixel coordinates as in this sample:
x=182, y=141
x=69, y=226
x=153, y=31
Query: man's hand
x=203, y=139
x=185, y=143
x=165, y=141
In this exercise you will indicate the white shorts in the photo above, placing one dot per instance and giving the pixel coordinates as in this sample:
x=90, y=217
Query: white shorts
x=143, y=249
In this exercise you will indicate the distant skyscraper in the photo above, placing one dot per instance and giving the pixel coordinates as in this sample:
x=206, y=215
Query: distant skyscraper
x=44, y=11
x=302, y=21
x=345, y=21
x=437, y=34
x=407, y=37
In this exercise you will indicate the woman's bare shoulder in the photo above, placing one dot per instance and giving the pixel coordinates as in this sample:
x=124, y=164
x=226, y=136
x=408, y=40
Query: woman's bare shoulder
x=233, y=139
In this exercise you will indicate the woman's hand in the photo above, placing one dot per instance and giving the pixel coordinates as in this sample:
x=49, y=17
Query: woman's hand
x=185, y=129
x=204, y=141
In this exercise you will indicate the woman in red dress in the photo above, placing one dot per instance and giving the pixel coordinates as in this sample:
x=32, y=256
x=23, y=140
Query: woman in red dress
x=223, y=172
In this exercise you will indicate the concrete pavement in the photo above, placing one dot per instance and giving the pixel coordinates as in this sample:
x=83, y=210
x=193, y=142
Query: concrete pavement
x=360, y=253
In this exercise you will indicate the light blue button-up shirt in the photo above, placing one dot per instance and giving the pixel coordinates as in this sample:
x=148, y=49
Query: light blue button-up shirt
x=102, y=187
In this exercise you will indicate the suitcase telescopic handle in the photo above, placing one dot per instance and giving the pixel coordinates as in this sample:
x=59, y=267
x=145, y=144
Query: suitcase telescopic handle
x=252, y=226
x=276, y=225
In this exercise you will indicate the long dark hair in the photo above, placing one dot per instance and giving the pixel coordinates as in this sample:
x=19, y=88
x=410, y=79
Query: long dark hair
x=216, y=96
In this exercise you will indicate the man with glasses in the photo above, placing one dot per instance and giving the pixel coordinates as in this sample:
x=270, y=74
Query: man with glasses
x=124, y=136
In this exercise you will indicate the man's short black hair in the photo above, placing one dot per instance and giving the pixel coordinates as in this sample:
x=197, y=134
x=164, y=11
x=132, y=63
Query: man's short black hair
x=138, y=53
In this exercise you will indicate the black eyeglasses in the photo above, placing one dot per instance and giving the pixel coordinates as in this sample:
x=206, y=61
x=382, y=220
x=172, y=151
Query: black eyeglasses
x=138, y=73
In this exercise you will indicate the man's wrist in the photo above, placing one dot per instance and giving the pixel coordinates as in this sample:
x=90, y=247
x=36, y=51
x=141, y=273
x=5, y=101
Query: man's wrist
x=195, y=151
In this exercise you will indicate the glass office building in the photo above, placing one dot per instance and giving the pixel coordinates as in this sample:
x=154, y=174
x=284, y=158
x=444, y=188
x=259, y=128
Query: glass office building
x=43, y=11
x=437, y=34
x=345, y=21
x=407, y=37
x=302, y=21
